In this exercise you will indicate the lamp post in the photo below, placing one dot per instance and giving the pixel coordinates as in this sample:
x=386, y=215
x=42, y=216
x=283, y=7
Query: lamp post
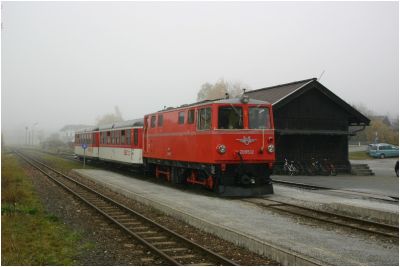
x=26, y=135
x=33, y=125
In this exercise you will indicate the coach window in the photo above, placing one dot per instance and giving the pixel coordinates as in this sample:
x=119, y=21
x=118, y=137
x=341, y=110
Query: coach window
x=204, y=119
x=117, y=138
x=135, y=137
x=160, y=120
x=108, y=137
x=230, y=117
x=123, y=137
x=128, y=137
x=153, y=121
x=190, y=118
x=181, y=117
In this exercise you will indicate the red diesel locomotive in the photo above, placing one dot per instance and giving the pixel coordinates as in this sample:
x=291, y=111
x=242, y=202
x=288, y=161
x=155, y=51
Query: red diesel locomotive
x=225, y=145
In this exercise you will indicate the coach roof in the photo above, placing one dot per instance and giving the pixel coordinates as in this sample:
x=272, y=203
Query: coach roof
x=122, y=124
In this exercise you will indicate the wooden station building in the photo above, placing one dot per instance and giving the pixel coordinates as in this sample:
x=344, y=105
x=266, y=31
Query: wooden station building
x=311, y=122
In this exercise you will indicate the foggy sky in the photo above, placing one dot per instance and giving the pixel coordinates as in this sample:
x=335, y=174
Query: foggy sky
x=70, y=62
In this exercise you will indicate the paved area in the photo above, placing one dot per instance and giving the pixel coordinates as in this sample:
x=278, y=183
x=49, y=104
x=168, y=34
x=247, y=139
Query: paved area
x=259, y=229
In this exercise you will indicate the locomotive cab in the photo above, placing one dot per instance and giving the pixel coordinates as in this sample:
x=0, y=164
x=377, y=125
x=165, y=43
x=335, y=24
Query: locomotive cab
x=245, y=147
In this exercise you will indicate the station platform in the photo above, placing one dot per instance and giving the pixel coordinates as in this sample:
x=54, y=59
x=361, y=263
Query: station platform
x=287, y=240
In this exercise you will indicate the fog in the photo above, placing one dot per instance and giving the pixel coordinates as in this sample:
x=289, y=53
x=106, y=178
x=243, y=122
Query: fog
x=71, y=62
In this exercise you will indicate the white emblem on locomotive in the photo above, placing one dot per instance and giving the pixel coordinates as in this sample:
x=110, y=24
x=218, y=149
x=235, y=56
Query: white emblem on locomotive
x=246, y=140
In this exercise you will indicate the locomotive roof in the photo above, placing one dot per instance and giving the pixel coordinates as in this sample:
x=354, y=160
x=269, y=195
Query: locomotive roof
x=236, y=100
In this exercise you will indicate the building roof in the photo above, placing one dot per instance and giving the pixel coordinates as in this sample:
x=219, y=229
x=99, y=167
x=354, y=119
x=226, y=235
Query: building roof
x=276, y=93
x=280, y=95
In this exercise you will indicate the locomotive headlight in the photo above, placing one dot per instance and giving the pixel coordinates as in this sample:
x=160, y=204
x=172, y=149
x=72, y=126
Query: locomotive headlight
x=271, y=148
x=244, y=99
x=221, y=149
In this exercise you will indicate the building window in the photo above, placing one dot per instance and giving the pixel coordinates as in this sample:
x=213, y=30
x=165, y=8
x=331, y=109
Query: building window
x=181, y=117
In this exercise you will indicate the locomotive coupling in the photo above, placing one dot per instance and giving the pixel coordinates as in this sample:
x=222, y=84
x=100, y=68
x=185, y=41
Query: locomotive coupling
x=247, y=180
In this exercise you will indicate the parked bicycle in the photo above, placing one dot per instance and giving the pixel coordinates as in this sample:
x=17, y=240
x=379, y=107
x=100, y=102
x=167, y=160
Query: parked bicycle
x=316, y=167
x=329, y=167
x=289, y=168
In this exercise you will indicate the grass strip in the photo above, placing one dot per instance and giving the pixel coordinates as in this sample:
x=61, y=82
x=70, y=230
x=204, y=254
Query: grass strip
x=31, y=236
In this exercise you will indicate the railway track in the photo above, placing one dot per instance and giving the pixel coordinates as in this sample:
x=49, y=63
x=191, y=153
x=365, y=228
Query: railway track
x=164, y=244
x=328, y=217
x=390, y=199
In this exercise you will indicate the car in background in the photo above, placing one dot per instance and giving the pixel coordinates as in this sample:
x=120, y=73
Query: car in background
x=383, y=150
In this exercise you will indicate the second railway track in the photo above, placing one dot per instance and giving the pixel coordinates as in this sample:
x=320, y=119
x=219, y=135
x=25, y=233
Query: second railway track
x=165, y=244
x=328, y=217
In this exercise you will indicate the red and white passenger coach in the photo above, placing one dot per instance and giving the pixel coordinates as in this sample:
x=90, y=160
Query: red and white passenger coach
x=225, y=145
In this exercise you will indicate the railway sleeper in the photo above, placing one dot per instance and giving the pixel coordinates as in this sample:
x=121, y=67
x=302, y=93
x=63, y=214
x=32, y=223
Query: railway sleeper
x=132, y=223
x=173, y=249
x=183, y=257
x=164, y=243
x=138, y=228
x=147, y=233
x=201, y=264
x=155, y=238
x=119, y=215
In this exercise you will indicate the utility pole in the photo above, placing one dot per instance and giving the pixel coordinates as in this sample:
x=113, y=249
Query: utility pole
x=26, y=135
x=33, y=125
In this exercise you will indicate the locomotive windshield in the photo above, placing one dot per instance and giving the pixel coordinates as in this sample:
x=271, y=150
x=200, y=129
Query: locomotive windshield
x=259, y=118
x=230, y=117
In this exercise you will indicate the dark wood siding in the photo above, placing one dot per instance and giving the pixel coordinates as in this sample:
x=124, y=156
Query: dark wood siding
x=311, y=111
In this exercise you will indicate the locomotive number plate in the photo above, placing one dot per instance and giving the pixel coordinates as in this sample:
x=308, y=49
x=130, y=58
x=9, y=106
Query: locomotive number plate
x=247, y=152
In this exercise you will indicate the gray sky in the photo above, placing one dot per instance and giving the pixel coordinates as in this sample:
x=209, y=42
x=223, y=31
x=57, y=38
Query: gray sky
x=70, y=62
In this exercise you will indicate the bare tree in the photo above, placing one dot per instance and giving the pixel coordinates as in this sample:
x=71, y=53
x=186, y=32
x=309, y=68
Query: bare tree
x=110, y=118
x=219, y=89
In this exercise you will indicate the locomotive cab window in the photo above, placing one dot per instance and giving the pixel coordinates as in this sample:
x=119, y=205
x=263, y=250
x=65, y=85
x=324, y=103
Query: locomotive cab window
x=204, y=119
x=190, y=118
x=153, y=121
x=230, y=117
x=181, y=117
x=160, y=120
x=259, y=118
